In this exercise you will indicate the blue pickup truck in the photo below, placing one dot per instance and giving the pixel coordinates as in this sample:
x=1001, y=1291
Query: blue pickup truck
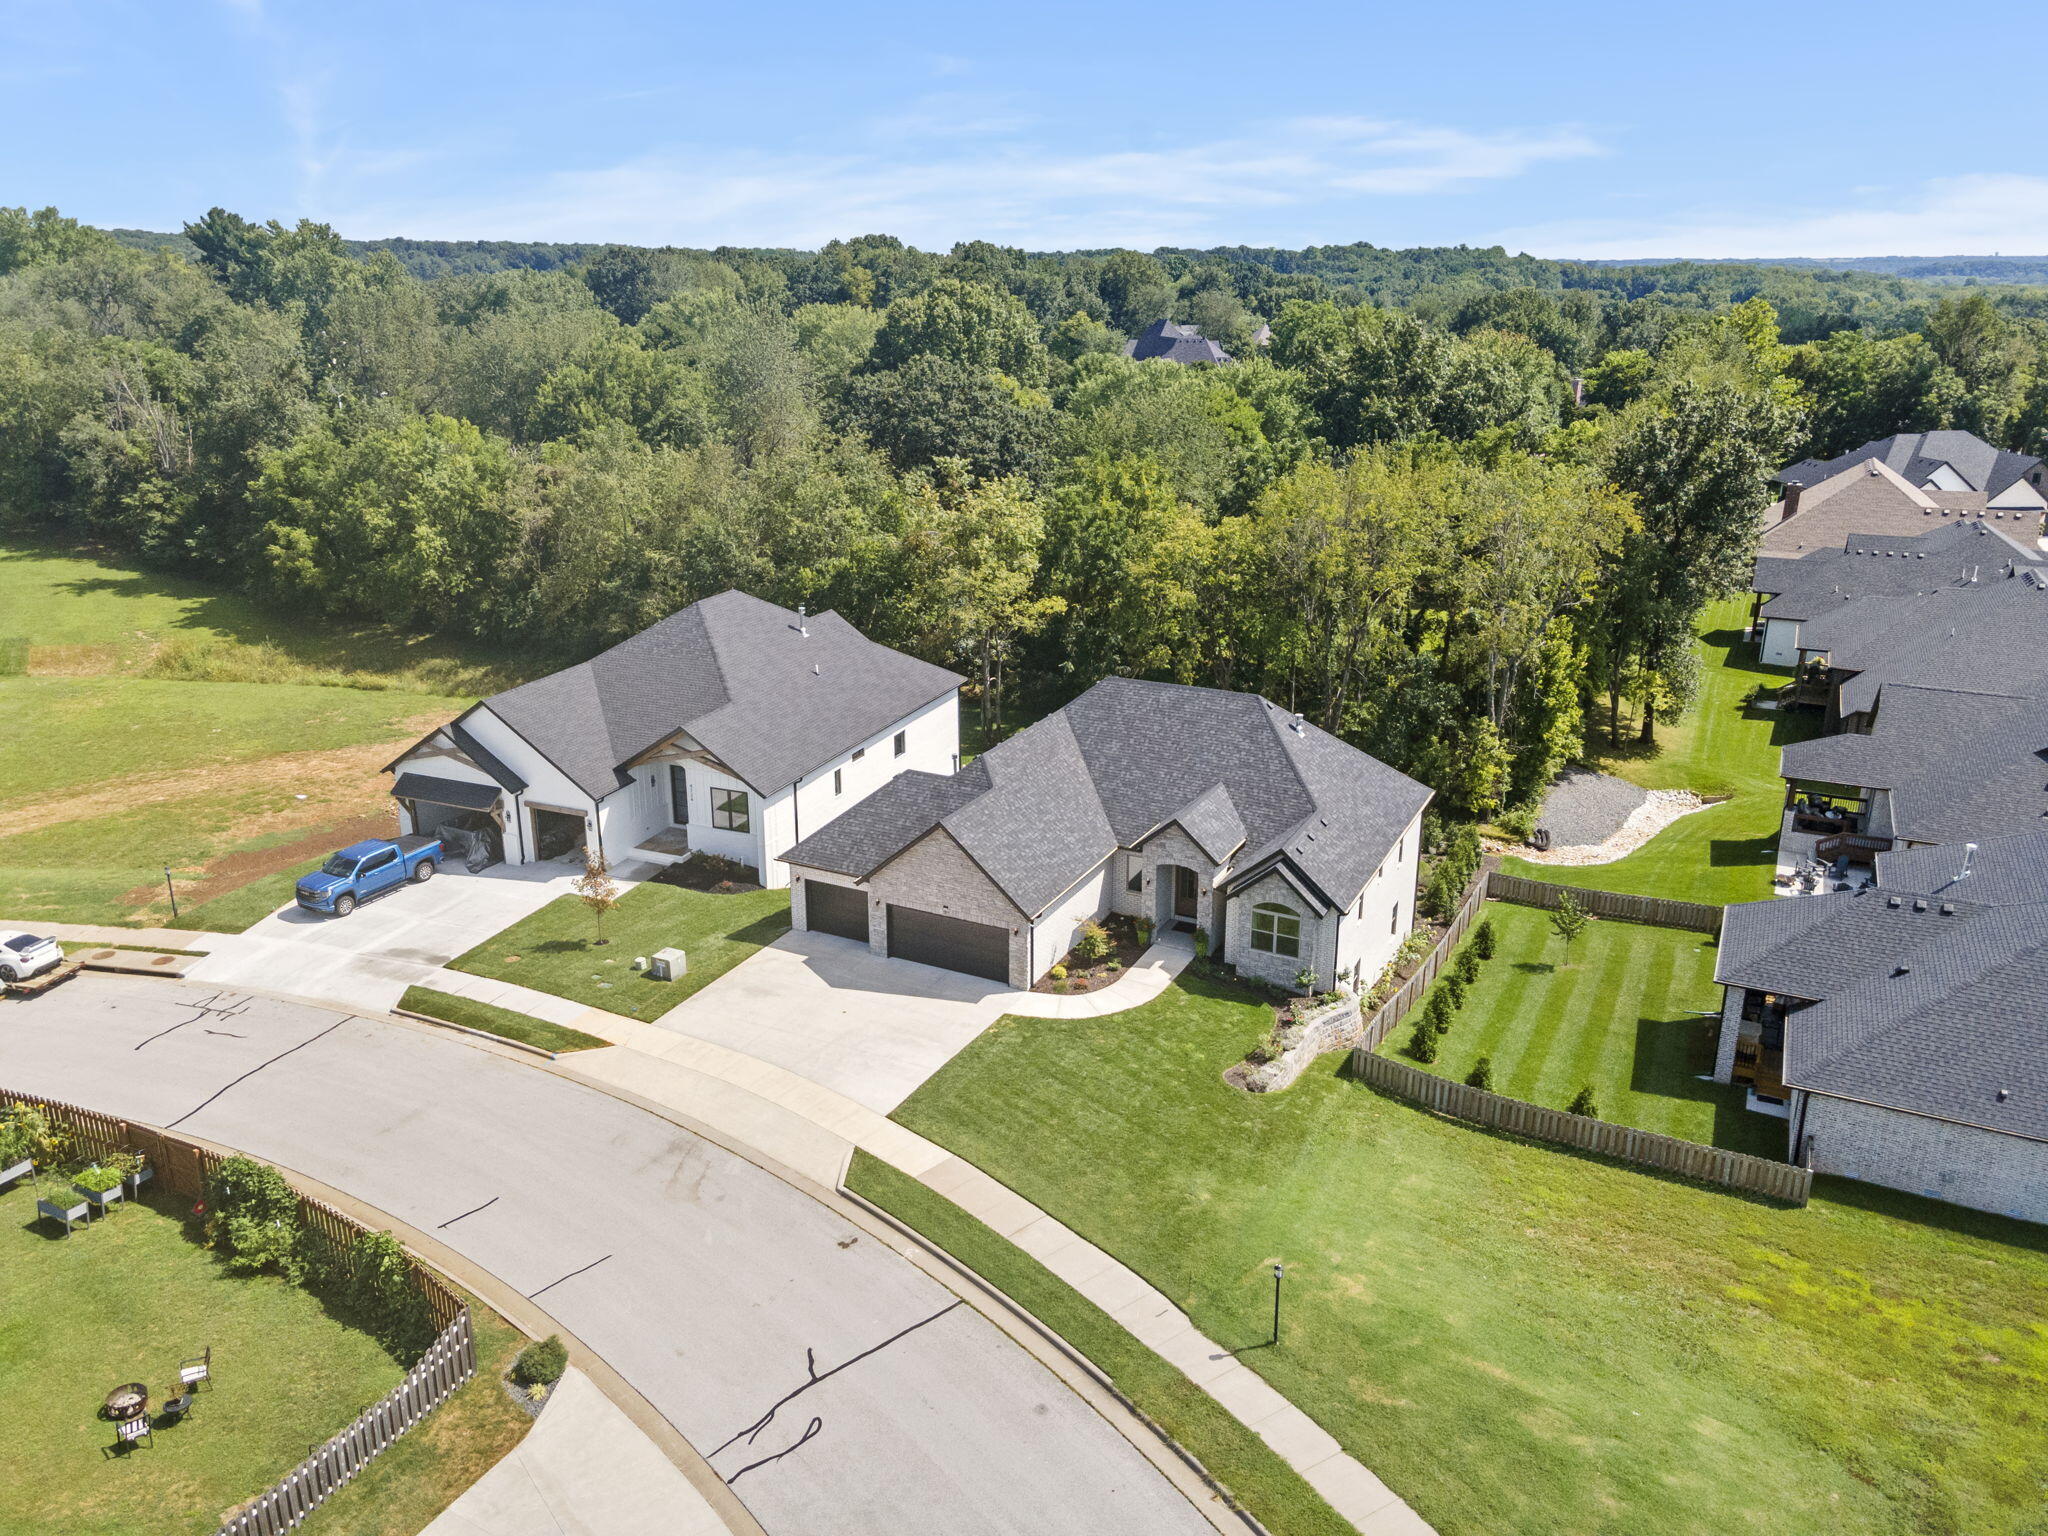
x=363, y=870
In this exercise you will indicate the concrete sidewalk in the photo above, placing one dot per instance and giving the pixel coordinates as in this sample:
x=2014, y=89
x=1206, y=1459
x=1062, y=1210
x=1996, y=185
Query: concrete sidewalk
x=584, y=1469
x=147, y=938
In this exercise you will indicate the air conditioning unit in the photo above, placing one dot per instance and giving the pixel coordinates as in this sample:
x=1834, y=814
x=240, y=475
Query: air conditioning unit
x=668, y=965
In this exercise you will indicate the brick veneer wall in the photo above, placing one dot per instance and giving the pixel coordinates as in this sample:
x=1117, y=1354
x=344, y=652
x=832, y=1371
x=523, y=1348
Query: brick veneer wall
x=1961, y=1164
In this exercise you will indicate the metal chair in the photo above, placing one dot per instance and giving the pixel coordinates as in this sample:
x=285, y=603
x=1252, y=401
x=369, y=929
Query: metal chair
x=196, y=1370
x=129, y=1431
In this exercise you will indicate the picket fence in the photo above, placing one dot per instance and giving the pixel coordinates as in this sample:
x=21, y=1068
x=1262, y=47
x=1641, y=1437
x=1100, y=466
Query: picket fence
x=1697, y=916
x=181, y=1167
x=1670, y=1154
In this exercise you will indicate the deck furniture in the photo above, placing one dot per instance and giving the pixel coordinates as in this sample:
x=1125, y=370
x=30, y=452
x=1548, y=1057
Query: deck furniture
x=199, y=1368
x=175, y=1408
x=132, y=1431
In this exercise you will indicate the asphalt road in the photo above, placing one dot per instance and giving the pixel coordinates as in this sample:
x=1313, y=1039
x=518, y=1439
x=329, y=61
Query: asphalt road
x=836, y=1388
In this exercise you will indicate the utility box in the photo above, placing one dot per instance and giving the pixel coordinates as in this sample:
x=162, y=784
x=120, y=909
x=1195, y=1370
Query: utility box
x=668, y=965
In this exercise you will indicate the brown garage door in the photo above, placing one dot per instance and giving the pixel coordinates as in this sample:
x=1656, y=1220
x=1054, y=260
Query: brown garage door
x=931, y=938
x=836, y=909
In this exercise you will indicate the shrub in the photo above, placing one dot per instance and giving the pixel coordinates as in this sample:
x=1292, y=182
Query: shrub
x=1518, y=821
x=1452, y=986
x=1093, y=943
x=253, y=1218
x=1583, y=1103
x=1201, y=944
x=1058, y=973
x=1437, y=1012
x=1144, y=927
x=27, y=1131
x=541, y=1363
x=1305, y=980
x=1466, y=966
x=381, y=1289
x=1481, y=1075
x=1483, y=941
x=1423, y=1046
x=1451, y=872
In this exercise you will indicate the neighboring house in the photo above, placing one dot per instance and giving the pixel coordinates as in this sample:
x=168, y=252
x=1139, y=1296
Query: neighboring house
x=1199, y=810
x=1791, y=591
x=732, y=727
x=1175, y=343
x=1945, y=461
x=1903, y=1030
x=1869, y=497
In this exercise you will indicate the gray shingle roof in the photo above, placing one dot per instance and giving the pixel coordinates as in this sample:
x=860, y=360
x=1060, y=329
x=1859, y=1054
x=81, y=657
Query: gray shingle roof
x=1042, y=809
x=768, y=699
x=1916, y=455
x=484, y=758
x=1175, y=343
x=2003, y=872
x=1882, y=564
x=1936, y=1013
x=1990, y=636
x=1958, y=765
x=464, y=793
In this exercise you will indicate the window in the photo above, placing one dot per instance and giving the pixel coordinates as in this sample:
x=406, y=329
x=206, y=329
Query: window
x=1396, y=928
x=678, y=795
x=1137, y=880
x=729, y=810
x=1401, y=848
x=858, y=754
x=1276, y=930
x=838, y=781
x=902, y=742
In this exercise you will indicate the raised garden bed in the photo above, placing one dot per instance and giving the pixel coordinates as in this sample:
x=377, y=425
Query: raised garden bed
x=1125, y=946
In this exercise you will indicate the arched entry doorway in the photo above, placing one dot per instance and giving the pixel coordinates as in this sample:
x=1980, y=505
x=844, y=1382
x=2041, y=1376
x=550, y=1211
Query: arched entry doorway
x=1179, y=895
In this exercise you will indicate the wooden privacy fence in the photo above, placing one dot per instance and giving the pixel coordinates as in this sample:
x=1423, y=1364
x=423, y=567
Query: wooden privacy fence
x=1648, y=1149
x=1698, y=916
x=181, y=1167
x=449, y=1362
x=1394, y=1009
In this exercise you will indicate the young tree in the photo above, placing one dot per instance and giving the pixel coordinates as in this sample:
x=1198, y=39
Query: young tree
x=1481, y=1075
x=1583, y=1103
x=1568, y=921
x=596, y=889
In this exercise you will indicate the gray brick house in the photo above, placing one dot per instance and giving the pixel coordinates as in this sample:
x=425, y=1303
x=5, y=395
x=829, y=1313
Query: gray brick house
x=1902, y=1030
x=1200, y=810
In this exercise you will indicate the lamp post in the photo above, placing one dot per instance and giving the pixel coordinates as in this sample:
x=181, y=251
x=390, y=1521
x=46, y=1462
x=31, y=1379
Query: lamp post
x=1278, y=1271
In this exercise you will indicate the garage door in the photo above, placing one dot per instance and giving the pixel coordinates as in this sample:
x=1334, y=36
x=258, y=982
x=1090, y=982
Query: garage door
x=930, y=938
x=836, y=909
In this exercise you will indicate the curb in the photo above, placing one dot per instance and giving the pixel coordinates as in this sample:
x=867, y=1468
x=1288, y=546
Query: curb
x=481, y=1034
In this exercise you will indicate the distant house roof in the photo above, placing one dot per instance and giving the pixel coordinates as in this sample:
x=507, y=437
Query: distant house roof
x=1917, y=455
x=1958, y=765
x=1987, y=636
x=1175, y=343
x=1919, y=1002
x=1886, y=565
x=1870, y=498
x=769, y=693
x=1238, y=774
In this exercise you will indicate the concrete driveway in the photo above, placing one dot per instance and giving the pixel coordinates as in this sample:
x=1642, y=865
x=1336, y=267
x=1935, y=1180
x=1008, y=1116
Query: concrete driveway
x=836, y=1388
x=369, y=958
x=833, y=1011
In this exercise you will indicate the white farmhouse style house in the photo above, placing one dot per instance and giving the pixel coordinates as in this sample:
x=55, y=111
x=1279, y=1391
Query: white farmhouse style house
x=733, y=727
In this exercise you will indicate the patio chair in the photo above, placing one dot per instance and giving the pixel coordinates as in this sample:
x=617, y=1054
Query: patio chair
x=131, y=1431
x=196, y=1370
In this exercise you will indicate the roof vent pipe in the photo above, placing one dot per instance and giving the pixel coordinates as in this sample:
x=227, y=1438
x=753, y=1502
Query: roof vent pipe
x=803, y=623
x=1297, y=725
x=1969, y=856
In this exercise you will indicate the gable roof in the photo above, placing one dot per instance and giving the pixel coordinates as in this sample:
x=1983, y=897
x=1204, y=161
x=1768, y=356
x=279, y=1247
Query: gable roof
x=1873, y=499
x=1917, y=455
x=1932, y=1006
x=1986, y=636
x=1042, y=809
x=769, y=693
x=1175, y=343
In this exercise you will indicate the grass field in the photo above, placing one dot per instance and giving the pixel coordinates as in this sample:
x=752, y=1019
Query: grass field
x=1621, y=1015
x=160, y=723
x=1234, y=1455
x=555, y=951
x=125, y=1300
x=1722, y=747
x=1522, y=1340
x=523, y=1027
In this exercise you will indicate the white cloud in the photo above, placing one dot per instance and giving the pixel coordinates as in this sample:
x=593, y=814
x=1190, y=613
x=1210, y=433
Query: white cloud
x=1956, y=215
x=997, y=187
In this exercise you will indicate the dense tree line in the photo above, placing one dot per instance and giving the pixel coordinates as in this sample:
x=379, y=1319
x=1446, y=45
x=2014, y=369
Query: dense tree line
x=1457, y=531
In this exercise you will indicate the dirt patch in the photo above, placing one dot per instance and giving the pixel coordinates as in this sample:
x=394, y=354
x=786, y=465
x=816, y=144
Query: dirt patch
x=719, y=877
x=328, y=775
x=232, y=871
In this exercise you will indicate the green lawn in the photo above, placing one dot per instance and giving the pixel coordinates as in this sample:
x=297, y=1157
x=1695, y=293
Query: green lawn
x=1621, y=1015
x=1234, y=1455
x=1519, y=1339
x=523, y=1027
x=1722, y=747
x=125, y=1300
x=554, y=950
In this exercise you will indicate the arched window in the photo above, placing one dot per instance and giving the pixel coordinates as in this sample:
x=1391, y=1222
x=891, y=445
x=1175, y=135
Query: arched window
x=1276, y=930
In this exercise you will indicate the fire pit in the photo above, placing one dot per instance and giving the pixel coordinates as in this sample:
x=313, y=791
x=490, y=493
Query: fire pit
x=127, y=1402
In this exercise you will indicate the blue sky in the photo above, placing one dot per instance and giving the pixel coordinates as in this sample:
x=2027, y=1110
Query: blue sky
x=1596, y=129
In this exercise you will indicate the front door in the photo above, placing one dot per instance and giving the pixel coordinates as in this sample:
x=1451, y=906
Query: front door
x=678, y=795
x=1186, y=894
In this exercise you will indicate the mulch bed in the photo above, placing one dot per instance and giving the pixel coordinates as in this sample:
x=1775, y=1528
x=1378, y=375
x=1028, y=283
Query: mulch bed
x=1093, y=976
x=694, y=875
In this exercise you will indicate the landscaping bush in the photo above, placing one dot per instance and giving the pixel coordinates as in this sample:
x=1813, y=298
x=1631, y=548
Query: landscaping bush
x=252, y=1216
x=1438, y=1011
x=541, y=1363
x=1483, y=940
x=1423, y=1046
x=1518, y=821
x=1058, y=973
x=1452, y=985
x=1451, y=872
x=1093, y=943
x=380, y=1288
x=1481, y=1075
x=27, y=1131
x=1583, y=1103
x=1466, y=966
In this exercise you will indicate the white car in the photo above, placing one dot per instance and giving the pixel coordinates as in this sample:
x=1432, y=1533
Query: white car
x=23, y=955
